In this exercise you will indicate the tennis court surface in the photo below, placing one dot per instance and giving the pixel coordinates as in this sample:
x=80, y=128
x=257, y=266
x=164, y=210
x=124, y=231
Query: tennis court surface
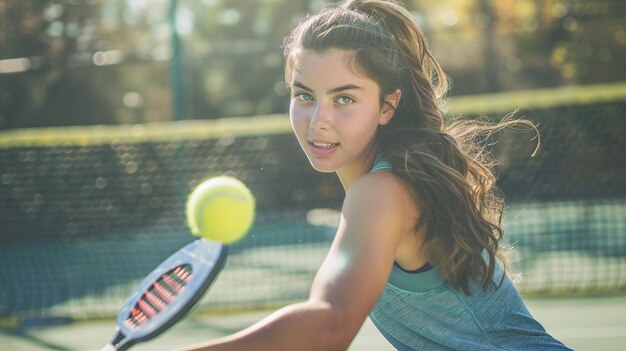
x=591, y=323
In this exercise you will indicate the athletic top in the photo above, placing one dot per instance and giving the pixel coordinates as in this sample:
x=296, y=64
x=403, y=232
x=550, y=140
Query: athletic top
x=420, y=310
x=380, y=162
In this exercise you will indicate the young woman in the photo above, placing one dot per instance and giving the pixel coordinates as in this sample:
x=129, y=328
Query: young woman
x=417, y=244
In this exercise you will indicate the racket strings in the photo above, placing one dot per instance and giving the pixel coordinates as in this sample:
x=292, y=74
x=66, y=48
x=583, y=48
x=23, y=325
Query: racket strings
x=160, y=295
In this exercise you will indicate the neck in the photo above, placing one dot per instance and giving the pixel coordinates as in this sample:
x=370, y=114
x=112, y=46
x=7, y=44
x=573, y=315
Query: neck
x=349, y=173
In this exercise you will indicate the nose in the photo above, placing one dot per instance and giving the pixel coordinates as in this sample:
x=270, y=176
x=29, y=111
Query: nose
x=320, y=117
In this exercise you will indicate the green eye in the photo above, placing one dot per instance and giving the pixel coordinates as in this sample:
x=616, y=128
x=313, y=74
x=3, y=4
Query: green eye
x=345, y=100
x=303, y=97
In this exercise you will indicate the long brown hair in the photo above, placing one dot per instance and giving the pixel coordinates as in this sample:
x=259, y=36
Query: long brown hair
x=449, y=170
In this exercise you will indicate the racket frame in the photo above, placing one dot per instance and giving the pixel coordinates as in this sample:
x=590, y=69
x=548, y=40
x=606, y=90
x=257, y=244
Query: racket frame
x=206, y=258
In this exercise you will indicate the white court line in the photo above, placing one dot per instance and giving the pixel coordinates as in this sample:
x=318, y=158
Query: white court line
x=589, y=332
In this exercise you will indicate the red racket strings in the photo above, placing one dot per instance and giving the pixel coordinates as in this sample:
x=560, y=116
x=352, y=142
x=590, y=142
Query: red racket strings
x=160, y=295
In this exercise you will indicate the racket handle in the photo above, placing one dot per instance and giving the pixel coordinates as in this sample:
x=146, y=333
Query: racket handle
x=109, y=347
x=112, y=347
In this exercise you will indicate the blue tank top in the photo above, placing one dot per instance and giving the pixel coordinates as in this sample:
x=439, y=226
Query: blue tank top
x=422, y=311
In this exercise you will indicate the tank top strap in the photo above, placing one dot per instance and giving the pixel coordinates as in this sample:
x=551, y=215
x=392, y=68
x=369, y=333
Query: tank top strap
x=380, y=162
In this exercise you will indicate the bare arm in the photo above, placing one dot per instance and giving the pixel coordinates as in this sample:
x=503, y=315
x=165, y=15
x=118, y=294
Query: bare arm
x=348, y=283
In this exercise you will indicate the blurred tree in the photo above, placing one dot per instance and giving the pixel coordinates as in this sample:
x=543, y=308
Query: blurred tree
x=563, y=41
x=593, y=41
x=68, y=62
x=529, y=43
x=235, y=55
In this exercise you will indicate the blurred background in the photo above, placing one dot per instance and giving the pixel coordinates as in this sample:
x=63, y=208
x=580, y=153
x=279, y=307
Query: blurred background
x=118, y=61
x=112, y=111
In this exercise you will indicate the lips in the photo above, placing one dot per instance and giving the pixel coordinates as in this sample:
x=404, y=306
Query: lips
x=322, y=147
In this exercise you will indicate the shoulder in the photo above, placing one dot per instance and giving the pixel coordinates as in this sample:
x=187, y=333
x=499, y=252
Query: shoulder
x=382, y=198
x=382, y=186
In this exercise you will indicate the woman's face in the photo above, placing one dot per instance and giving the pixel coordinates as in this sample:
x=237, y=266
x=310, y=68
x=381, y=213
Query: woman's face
x=335, y=112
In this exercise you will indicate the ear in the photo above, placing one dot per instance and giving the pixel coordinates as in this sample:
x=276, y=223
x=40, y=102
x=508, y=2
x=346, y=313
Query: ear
x=387, y=111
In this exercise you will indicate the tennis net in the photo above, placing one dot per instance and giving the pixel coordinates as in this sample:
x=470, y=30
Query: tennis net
x=87, y=212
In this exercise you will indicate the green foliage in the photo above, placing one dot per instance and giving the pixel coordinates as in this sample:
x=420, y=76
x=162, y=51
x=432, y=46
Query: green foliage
x=68, y=62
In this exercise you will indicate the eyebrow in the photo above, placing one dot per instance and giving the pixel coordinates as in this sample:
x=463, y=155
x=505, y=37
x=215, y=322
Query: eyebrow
x=331, y=91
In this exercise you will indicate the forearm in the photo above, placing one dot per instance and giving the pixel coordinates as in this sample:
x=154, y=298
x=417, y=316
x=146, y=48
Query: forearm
x=303, y=326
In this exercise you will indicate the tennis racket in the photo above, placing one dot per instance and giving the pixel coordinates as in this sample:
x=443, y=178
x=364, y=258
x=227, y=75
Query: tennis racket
x=168, y=293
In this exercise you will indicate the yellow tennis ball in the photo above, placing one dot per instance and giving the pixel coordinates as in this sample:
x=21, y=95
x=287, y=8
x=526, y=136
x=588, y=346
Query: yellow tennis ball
x=220, y=209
